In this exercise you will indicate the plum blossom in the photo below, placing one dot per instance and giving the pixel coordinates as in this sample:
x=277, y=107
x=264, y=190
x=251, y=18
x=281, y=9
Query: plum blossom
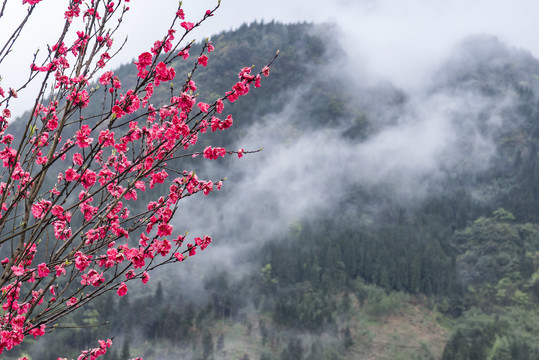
x=43, y=270
x=203, y=107
x=145, y=277
x=214, y=153
x=122, y=290
x=187, y=25
x=106, y=78
x=72, y=301
x=203, y=60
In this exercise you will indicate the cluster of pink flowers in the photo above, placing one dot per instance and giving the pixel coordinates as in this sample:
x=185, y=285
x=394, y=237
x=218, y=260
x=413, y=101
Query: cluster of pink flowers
x=218, y=124
x=242, y=87
x=94, y=353
x=109, y=160
x=214, y=153
x=30, y=2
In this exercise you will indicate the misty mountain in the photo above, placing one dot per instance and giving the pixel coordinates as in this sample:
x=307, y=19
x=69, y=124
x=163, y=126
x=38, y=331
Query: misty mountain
x=482, y=63
x=364, y=197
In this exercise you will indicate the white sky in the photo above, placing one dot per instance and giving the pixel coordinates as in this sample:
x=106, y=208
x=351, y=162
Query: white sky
x=402, y=41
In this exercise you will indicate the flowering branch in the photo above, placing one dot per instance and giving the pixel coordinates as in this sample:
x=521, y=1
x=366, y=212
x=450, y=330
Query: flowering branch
x=71, y=224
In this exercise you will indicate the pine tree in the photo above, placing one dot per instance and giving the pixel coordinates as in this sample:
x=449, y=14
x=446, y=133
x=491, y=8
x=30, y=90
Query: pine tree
x=207, y=345
x=348, y=342
x=126, y=354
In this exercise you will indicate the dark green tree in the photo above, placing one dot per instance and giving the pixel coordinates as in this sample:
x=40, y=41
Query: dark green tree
x=348, y=341
x=126, y=354
x=207, y=345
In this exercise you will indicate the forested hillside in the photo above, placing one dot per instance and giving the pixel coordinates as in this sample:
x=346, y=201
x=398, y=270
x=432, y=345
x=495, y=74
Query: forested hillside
x=375, y=224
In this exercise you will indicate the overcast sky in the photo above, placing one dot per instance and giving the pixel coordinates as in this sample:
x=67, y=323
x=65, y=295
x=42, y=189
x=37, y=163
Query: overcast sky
x=401, y=41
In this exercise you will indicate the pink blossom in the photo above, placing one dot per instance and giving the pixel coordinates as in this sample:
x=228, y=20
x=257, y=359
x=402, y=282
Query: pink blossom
x=18, y=322
x=164, y=229
x=72, y=175
x=83, y=140
x=61, y=230
x=82, y=261
x=219, y=106
x=178, y=256
x=227, y=122
x=81, y=99
x=207, y=187
x=8, y=155
x=78, y=159
x=203, y=242
x=106, y=78
x=158, y=178
x=72, y=301
x=89, y=212
x=157, y=46
x=92, y=278
x=18, y=270
x=73, y=11
x=213, y=153
x=184, y=54
x=162, y=73
x=103, y=59
x=58, y=211
x=106, y=138
x=7, y=139
x=245, y=74
x=46, y=68
x=60, y=270
x=144, y=60
x=88, y=179
x=118, y=111
x=161, y=247
x=40, y=209
x=203, y=107
x=203, y=60
x=130, y=274
x=187, y=25
x=131, y=195
x=116, y=84
x=93, y=13
x=191, y=85
x=43, y=270
x=122, y=290
x=143, y=242
x=136, y=256
x=140, y=185
x=52, y=124
x=241, y=88
x=36, y=332
x=145, y=277
x=232, y=96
